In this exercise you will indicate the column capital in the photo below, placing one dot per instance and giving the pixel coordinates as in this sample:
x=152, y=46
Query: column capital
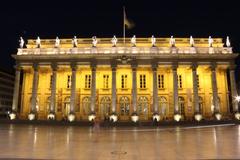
x=213, y=66
x=73, y=66
x=154, y=66
x=54, y=66
x=35, y=66
x=174, y=66
x=194, y=66
x=18, y=67
x=134, y=65
x=232, y=67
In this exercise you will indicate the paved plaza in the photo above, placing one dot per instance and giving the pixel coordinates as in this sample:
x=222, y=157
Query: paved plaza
x=121, y=143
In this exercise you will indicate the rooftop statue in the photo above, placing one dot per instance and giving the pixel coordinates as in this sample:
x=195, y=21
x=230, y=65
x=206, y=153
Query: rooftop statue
x=153, y=40
x=94, y=41
x=172, y=41
x=133, y=41
x=38, y=42
x=114, y=41
x=228, y=43
x=191, y=41
x=210, y=41
x=21, y=42
x=57, y=42
x=74, y=42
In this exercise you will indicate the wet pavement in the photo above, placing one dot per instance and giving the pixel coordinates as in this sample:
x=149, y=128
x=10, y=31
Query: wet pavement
x=122, y=143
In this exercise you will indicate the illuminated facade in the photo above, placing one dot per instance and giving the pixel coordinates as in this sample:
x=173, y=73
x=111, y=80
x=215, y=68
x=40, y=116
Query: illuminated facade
x=122, y=80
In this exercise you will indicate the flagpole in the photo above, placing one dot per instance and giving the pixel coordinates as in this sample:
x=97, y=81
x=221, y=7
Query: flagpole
x=124, y=25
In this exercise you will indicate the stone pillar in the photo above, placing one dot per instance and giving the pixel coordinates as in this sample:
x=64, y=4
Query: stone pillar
x=195, y=89
x=134, y=88
x=34, y=93
x=16, y=90
x=155, y=90
x=73, y=89
x=93, y=89
x=53, y=92
x=114, y=90
x=175, y=89
x=214, y=89
x=233, y=89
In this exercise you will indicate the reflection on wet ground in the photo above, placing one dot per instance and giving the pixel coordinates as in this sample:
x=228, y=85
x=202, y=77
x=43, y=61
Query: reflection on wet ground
x=73, y=142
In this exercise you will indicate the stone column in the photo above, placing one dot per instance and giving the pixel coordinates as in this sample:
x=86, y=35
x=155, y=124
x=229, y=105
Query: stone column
x=93, y=89
x=214, y=88
x=34, y=89
x=155, y=90
x=53, y=89
x=134, y=88
x=16, y=89
x=73, y=89
x=195, y=89
x=114, y=90
x=175, y=89
x=233, y=89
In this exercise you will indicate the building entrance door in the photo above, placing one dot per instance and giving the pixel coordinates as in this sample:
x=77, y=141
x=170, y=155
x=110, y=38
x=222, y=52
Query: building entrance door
x=124, y=106
x=105, y=108
x=143, y=108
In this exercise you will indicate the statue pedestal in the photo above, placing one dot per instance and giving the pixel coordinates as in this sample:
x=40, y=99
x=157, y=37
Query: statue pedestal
x=51, y=116
x=237, y=115
x=32, y=116
x=156, y=117
x=198, y=117
x=113, y=118
x=12, y=116
x=177, y=117
x=71, y=117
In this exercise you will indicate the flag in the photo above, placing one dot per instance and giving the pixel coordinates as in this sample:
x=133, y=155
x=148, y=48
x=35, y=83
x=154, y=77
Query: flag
x=127, y=22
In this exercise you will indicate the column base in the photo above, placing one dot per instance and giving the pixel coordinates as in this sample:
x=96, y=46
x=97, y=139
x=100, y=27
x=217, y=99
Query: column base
x=51, y=116
x=31, y=116
x=13, y=116
x=198, y=117
x=134, y=117
x=156, y=117
x=237, y=115
x=71, y=117
x=91, y=117
x=177, y=117
x=113, y=117
x=218, y=116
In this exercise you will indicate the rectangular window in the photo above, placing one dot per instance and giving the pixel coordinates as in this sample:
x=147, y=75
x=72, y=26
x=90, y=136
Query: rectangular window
x=160, y=81
x=180, y=81
x=106, y=81
x=88, y=81
x=142, y=81
x=124, y=81
x=69, y=81
x=198, y=83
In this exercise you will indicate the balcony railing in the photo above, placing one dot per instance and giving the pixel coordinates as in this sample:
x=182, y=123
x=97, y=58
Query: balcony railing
x=126, y=50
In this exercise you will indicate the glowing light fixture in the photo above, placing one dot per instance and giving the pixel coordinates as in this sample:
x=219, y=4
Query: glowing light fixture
x=177, y=117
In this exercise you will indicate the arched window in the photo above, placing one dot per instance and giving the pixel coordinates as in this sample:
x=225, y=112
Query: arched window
x=105, y=106
x=124, y=103
x=143, y=106
x=181, y=105
x=86, y=102
x=162, y=105
x=66, y=109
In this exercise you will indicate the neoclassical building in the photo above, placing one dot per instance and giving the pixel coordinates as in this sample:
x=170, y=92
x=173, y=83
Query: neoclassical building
x=142, y=79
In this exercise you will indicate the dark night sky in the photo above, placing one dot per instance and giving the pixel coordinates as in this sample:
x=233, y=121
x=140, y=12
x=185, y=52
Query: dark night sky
x=163, y=18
